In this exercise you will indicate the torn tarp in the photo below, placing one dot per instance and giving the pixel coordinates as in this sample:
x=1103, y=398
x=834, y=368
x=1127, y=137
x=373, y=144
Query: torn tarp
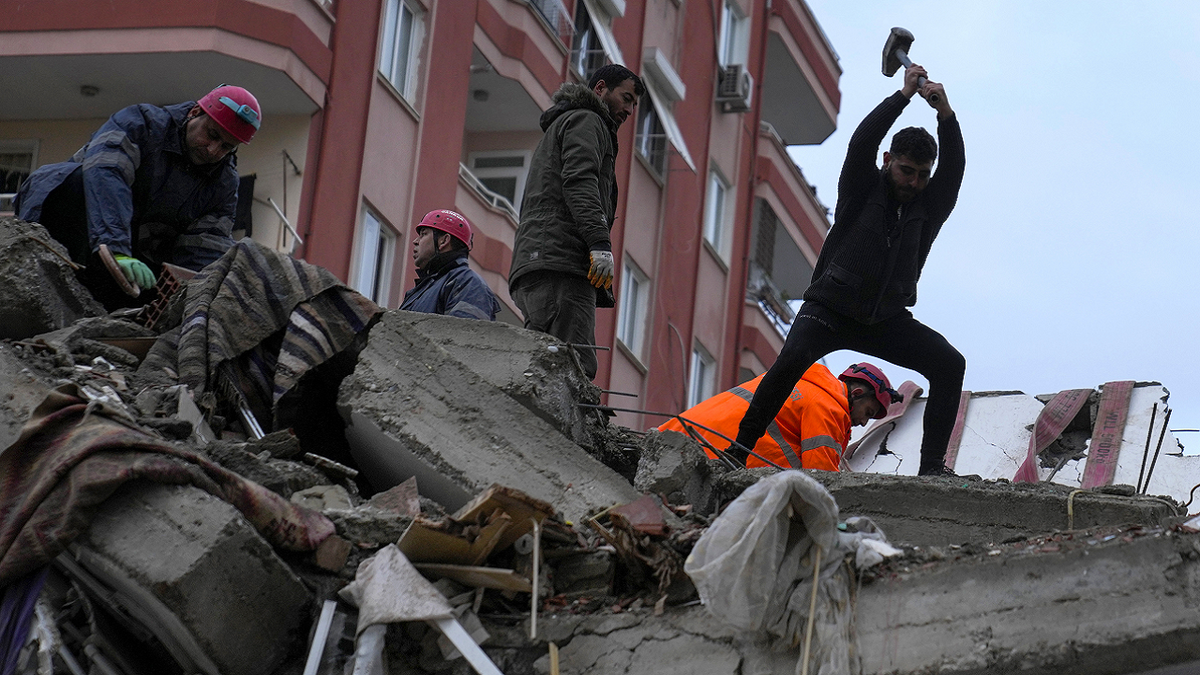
x=73, y=455
x=271, y=317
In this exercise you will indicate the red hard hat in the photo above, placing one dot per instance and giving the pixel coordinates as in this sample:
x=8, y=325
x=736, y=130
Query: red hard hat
x=878, y=381
x=450, y=222
x=235, y=109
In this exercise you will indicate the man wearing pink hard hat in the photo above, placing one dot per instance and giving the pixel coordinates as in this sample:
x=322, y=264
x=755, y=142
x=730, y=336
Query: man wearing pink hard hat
x=155, y=184
x=446, y=284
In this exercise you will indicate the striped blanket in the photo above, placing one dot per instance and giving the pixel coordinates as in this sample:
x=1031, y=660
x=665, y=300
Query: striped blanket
x=262, y=319
x=73, y=455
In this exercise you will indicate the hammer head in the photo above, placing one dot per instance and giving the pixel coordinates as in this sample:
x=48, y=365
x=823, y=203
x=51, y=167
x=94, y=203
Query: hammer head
x=898, y=41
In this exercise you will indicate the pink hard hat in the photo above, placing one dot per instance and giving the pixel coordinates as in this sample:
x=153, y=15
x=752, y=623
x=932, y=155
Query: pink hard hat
x=453, y=223
x=235, y=109
x=879, y=383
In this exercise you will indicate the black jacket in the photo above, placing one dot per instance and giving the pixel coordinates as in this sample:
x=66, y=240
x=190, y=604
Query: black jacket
x=571, y=193
x=449, y=286
x=872, y=259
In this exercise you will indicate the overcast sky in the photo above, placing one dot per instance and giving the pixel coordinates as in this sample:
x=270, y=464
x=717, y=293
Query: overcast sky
x=1073, y=256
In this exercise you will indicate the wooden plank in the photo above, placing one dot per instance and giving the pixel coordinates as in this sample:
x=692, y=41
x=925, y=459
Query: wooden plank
x=520, y=506
x=960, y=423
x=423, y=543
x=1107, y=434
x=479, y=577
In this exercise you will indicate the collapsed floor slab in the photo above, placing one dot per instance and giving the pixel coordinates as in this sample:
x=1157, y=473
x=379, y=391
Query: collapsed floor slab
x=412, y=409
x=941, y=511
x=188, y=567
x=534, y=368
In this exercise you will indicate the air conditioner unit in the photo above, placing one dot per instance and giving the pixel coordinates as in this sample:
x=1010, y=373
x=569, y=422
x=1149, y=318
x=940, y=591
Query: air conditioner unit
x=735, y=88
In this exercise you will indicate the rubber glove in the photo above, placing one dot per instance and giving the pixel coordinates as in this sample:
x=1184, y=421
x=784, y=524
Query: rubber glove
x=135, y=270
x=600, y=274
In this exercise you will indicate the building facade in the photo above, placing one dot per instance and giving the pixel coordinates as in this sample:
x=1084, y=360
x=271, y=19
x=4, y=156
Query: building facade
x=377, y=111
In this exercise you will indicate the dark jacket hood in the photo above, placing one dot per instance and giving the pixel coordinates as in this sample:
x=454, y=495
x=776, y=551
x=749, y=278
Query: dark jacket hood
x=571, y=96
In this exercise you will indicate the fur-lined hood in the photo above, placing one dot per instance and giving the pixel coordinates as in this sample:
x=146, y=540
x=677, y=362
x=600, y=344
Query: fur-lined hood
x=572, y=96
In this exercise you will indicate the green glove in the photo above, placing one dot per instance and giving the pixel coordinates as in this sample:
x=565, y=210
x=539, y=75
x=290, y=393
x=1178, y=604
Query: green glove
x=135, y=270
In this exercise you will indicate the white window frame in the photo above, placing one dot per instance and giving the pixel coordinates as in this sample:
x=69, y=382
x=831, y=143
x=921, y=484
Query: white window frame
x=521, y=173
x=27, y=146
x=647, y=143
x=702, y=379
x=716, y=211
x=390, y=51
x=632, y=312
x=733, y=43
x=375, y=253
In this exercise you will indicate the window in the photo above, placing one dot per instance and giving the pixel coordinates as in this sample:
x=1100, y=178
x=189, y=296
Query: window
x=715, y=211
x=735, y=29
x=635, y=296
x=651, y=139
x=704, y=376
x=503, y=172
x=587, y=54
x=17, y=159
x=402, y=28
x=376, y=253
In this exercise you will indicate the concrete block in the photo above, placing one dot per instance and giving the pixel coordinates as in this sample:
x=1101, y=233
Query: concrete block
x=38, y=289
x=674, y=466
x=412, y=409
x=532, y=367
x=198, y=575
x=940, y=511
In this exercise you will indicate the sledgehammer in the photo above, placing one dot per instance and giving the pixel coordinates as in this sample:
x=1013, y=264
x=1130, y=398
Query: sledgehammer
x=895, y=54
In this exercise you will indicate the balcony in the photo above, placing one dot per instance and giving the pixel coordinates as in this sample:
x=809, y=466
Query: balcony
x=800, y=96
x=76, y=59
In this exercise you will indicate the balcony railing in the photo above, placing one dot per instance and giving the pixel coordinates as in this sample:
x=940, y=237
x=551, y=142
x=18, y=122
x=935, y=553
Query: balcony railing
x=761, y=290
x=496, y=201
x=556, y=16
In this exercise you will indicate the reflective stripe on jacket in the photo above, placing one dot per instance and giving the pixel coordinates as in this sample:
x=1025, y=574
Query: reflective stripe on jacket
x=810, y=432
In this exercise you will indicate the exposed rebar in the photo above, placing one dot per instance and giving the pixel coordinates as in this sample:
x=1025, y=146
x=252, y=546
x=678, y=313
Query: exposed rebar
x=1161, y=435
x=1146, y=451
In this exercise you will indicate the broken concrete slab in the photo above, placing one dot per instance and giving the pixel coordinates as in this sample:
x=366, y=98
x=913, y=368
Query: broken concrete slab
x=1122, y=606
x=39, y=292
x=412, y=409
x=939, y=511
x=198, y=576
x=675, y=467
x=532, y=367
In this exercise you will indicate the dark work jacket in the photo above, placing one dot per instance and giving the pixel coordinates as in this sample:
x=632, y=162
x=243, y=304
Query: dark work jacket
x=570, y=195
x=872, y=259
x=449, y=286
x=144, y=196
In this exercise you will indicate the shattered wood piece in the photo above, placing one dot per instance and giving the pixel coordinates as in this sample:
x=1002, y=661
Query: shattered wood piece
x=520, y=506
x=644, y=515
x=474, y=627
x=424, y=543
x=602, y=531
x=479, y=577
x=332, y=553
x=461, y=639
x=403, y=499
x=326, y=464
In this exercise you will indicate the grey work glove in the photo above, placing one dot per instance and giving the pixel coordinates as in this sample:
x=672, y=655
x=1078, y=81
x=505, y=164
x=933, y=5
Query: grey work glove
x=600, y=274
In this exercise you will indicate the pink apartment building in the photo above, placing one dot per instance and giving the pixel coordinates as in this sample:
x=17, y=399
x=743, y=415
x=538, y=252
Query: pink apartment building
x=377, y=111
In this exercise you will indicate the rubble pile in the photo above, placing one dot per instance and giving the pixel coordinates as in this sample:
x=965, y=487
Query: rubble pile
x=435, y=499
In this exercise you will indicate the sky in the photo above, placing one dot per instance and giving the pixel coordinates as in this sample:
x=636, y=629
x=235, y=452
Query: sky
x=1073, y=255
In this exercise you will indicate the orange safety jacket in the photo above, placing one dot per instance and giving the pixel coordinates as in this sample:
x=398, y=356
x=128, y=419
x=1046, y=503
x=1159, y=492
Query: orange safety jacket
x=810, y=432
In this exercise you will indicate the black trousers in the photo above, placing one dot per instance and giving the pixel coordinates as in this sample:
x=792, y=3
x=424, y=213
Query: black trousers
x=901, y=340
x=563, y=305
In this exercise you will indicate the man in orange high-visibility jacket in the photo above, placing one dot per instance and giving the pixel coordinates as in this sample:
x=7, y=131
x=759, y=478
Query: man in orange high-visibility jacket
x=813, y=427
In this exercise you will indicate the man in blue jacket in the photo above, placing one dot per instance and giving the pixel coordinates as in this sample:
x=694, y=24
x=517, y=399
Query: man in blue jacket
x=154, y=185
x=446, y=284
